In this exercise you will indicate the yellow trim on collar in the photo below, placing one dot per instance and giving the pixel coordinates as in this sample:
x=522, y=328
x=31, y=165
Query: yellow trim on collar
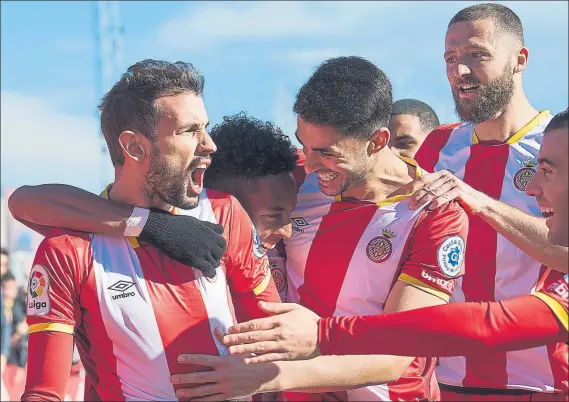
x=401, y=197
x=523, y=131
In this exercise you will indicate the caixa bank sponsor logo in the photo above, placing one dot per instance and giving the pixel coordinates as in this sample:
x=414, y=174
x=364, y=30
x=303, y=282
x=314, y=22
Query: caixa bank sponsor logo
x=122, y=287
x=439, y=281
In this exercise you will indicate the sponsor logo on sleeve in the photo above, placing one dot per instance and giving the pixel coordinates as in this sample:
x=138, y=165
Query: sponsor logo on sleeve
x=438, y=281
x=560, y=287
x=38, y=292
x=258, y=250
x=450, y=256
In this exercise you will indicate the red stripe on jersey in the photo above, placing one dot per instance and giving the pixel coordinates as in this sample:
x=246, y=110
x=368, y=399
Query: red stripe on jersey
x=428, y=154
x=174, y=293
x=330, y=255
x=107, y=373
x=480, y=278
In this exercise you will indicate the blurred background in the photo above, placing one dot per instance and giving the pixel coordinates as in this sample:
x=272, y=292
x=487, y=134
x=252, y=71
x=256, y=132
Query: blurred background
x=59, y=58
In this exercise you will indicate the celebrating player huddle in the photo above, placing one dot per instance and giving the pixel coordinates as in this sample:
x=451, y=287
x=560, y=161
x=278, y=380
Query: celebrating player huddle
x=429, y=279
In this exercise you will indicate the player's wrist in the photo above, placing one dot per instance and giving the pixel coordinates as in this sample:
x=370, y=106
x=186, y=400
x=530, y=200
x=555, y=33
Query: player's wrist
x=485, y=205
x=135, y=223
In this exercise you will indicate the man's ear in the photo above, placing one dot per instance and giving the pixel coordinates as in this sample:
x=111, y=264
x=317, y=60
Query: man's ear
x=379, y=140
x=134, y=146
x=521, y=60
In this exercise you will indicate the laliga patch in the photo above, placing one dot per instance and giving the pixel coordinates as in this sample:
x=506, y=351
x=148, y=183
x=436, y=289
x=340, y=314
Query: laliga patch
x=257, y=248
x=450, y=255
x=38, y=292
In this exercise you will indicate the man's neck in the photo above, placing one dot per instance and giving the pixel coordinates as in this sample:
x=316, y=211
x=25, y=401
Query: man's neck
x=389, y=175
x=512, y=119
x=130, y=191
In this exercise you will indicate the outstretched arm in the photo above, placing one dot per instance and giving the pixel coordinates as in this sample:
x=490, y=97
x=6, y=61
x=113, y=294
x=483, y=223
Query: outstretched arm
x=453, y=330
x=526, y=231
x=183, y=238
x=58, y=205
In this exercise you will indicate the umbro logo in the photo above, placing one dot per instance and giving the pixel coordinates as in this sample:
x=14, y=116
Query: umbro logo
x=300, y=221
x=298, y=224
x=122, y=287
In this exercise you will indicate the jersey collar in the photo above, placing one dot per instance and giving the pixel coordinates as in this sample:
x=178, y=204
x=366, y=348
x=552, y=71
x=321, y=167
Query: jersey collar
x=523, y=131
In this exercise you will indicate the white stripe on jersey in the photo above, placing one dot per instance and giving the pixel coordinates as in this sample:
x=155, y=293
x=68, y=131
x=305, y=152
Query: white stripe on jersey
x=130, y=322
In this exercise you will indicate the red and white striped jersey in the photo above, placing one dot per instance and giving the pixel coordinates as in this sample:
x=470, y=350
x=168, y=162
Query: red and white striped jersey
x=497, y=269
x=133, y=310
x=345, y=256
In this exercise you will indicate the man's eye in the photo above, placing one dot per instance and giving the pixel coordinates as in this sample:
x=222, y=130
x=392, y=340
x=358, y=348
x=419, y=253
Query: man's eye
x=545, y=171
x=327, y=154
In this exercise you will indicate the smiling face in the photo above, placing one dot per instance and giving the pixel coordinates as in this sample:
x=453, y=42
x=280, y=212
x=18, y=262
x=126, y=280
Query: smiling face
x=550, y=184
x=181, y=153
x=480, y=61
x=269, y=206
x=340, y=163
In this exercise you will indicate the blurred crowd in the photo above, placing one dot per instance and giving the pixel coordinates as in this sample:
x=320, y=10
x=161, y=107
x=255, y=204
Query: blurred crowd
x=14, y=337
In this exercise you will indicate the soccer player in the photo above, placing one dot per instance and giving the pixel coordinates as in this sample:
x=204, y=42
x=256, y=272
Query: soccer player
x=345, y=210
x=132, y=309
x=354, y=247
x=410, y=122
x=527, y=321
x=486, y=163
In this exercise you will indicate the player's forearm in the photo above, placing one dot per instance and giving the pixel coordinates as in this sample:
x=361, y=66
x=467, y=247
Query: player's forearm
x=338, y=373
x=59, y=205
x=527, y=232
x=48, y=371
x=456, y=329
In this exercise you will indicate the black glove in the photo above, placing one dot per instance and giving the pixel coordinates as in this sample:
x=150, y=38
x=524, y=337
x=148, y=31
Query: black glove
x=186, y=239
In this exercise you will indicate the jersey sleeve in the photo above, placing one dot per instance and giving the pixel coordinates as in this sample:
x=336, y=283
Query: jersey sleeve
x=247, y=266
x=516, y=324
x=554, y=293
x=52, y=298
x=53, y=312
x=436, y=249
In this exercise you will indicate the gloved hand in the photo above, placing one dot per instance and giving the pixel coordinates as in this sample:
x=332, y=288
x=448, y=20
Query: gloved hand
x=186, y=239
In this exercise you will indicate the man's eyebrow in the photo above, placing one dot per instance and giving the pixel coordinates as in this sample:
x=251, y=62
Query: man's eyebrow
x=193, y=126
x=469, y=46
x=545, y=161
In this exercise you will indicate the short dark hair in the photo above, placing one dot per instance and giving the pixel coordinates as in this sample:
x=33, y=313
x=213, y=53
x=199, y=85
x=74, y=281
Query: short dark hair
x=427, y=116
x=130, y=104
x=560, y=120
x=247, y=149
x=349, y=94
x=504, y=18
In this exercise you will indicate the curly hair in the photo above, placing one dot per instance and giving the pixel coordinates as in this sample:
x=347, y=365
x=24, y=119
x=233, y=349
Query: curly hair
x=130, y=104
x=247, y=149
